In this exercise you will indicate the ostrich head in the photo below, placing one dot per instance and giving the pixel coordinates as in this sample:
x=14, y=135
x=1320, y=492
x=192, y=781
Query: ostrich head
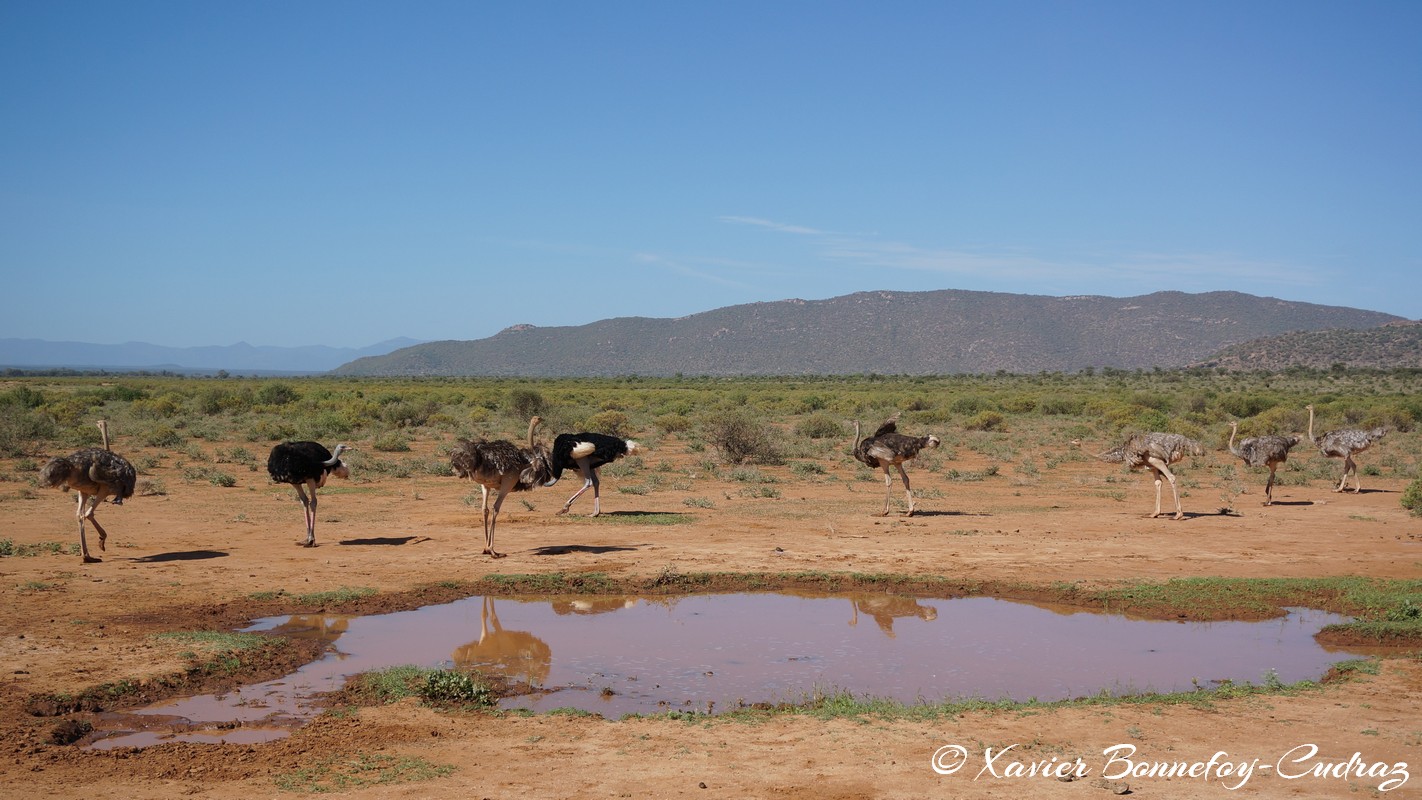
x=338, y=467
x=931, y=441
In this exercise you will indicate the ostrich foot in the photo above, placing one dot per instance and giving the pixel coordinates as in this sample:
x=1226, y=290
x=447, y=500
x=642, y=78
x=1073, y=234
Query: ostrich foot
x=595, y=514
x=560, y=513
x=1179, y=515
x=489, y=551
x=305, y=544
x=883, y=513
x=88, y=559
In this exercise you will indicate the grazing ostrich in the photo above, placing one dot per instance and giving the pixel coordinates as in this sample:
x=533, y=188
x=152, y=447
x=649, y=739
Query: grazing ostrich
x=95, y=474
x=1344, y=444
x=889, y=448
x=306, y=464
x=1263, y=451
x=1156, y=452
x=588, y=452
x=502, y=466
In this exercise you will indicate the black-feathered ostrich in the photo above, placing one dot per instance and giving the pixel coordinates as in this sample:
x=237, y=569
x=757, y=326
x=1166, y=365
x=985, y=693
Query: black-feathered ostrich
x=1156, y=452
x=1344, y=444
x=588, y=452
x=306, y=465
x=1263, y=451
x=503, y=467
x=95, y=474
x=889, y=448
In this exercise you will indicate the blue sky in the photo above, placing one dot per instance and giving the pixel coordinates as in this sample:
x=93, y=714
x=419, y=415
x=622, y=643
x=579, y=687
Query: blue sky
x=290, y=173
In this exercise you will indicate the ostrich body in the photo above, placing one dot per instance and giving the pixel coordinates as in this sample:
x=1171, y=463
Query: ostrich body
x=889, y=448
x=588, y=452
x=95, y=474
x=503, y=467
x=1156, y=452
x=1345, y=444
x=1263, y=451
x=306, y=465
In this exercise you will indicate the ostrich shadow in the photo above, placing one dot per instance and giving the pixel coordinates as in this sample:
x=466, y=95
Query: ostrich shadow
x=566, y=549
x=918, y=512
x=629, y=514
x=186, y=555
x=1292, y=503
x=385, y=540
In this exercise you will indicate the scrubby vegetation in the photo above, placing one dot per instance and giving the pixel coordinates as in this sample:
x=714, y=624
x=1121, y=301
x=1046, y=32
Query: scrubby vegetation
x=402, y=428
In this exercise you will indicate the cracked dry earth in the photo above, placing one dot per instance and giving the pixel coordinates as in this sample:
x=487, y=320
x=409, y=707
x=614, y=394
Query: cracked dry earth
x=193, y=560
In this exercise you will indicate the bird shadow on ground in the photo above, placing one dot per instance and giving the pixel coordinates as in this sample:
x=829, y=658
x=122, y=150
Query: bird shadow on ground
x=1291, y=503
x=630, y=514
x=921, y=513
x=385, y=540
x=186, y=555
x=565, y=549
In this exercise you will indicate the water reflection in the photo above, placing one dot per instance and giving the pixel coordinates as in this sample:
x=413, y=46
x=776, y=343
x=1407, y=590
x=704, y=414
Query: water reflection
x=619, y=655
x=517, y=656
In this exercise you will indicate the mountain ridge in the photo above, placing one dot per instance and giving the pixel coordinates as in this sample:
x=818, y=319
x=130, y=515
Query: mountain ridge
x=937, y=332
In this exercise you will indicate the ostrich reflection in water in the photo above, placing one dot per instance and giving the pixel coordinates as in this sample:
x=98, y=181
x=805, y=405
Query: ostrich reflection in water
x=885, y=608
x=516, y=655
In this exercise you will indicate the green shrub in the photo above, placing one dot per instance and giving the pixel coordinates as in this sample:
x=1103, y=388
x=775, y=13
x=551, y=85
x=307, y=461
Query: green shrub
x=613, y=423
x=525, y=403
x=391, y=443
x=162, y=436
x=820, y=426
x=985, y=421
x=1412, y=497
x=673, y=423
x=741, y=437
x=277, y=394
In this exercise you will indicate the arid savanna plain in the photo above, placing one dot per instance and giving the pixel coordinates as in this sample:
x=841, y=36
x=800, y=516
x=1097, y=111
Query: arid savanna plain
x=744, y=485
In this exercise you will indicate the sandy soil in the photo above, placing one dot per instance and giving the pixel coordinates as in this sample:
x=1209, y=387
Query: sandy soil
x=192, y=559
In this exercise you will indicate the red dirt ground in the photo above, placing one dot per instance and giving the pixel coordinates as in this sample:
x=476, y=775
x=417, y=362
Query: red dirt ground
x=191, y=559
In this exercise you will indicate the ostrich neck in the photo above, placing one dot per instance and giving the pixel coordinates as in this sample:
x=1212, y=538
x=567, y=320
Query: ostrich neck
x=1234, y=429
x=532, y=426
x=1310, y=424
x=856, y=435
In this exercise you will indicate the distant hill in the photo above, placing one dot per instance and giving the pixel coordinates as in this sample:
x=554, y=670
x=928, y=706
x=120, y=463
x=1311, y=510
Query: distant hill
x=940, y=332
x=1397, y=344
x=239, y=358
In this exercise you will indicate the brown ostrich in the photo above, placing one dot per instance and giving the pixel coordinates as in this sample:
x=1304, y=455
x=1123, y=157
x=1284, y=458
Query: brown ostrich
x=1156, y=452
x=94, y=474
x=1263, y=451
x=1344, y=444
x=504, y=467
x=889, y=448
x=306, y=464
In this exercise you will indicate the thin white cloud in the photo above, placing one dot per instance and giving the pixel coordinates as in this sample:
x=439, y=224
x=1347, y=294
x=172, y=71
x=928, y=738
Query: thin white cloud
x=1205, y=270
x=775, y=226
x=681, y=268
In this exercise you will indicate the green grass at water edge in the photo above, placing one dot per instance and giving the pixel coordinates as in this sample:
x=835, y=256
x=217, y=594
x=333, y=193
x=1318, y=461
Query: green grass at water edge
x=348, y=772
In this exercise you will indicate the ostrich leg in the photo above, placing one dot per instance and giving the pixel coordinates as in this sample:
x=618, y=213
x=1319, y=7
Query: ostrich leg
x=908, y=493
x=83, y=545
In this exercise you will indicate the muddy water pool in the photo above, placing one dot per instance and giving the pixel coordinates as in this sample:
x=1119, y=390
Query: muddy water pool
x=709, y=653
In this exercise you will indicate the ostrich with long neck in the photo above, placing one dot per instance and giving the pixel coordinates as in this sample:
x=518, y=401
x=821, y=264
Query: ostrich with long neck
x=503, y=467
x=1345, y=444
x=94, y=474
x=1263, y=451
x=889, y=448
